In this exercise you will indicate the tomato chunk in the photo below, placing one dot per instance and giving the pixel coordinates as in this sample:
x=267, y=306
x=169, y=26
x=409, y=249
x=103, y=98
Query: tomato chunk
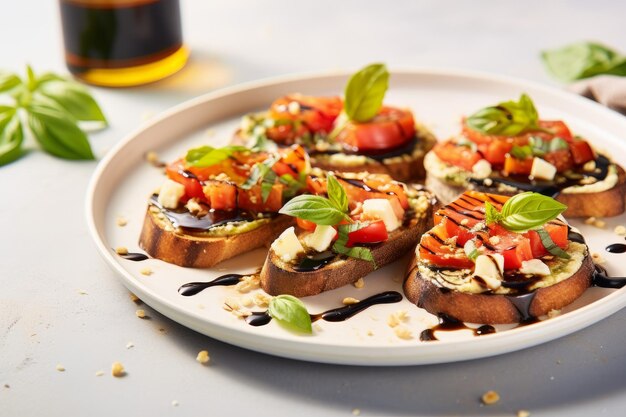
x=581, y=151
x=513, y=166
x=561, y=159
x=372, y=233
x=460, y=156
x=306, y=224
x=390, y=128
x=558, y=233
x=432, y=249
x=176, y=171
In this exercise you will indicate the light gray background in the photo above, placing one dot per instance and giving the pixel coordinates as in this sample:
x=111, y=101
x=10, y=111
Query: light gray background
x=46, y=254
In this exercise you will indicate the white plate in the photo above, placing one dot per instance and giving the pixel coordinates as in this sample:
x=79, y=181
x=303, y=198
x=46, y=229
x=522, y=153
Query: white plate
x=123, y=182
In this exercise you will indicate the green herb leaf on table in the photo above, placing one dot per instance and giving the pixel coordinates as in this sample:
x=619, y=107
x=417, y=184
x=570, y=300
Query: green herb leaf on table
x=206, y=156
x=365, y=92
x=50, y=107
x=509, y=118
x=290, y=312
x=524, y=212
x=583, y=60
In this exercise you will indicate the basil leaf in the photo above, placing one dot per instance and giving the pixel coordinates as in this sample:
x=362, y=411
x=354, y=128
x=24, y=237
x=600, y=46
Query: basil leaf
x=492, y=215
x=314, y=208
x=521, y=152
x=550, y=246
x=583, y=60
x=267, y=184
x=356, y=251
x=73, y=98
x=365, y=92
x=11, y=138
x=58, y=133
x=8, y=81
x=509, y=118
x=539, y=146
x=529, y=210
x=206, y=156
x=336, y=193
x=290, y=312
x=558, y=144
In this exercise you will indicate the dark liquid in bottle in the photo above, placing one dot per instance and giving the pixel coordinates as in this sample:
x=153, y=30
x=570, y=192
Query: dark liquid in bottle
x=122, y=42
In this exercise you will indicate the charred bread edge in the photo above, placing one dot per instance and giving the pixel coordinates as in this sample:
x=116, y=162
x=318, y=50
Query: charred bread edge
x=611, y=202
x=278, y=280
x=203, y=252
x=493, y=308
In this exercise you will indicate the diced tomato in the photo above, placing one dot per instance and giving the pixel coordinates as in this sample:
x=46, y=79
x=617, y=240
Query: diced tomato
x=176, y=172
x=461, y=231
x=581, y=151
x=306, y=224
x=303, y=114
x=293, y=161
x=372, y=233
x=558, y=233
x=561, y=159
x=432, y=249
x=390, y=128
x=497, y=150
x=459, y=156
x=221, y=195
x=252, y=199
x=557, y=128
x=514, y=165
x=514, y=247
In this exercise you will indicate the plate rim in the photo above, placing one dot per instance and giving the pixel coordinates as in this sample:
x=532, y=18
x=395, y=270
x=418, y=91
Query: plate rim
x=403, y=355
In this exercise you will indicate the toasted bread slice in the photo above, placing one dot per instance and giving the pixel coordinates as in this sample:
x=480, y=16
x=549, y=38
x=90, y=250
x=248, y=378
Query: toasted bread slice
x=279, y=277
x=496, y=308
x=162, y=241
x=606, y=203
x=403, y=165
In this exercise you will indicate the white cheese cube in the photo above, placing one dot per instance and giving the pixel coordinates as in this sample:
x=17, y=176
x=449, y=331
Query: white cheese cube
x=482, y=169
x=287, y=246
x=321, y=238
x=489, y=269
x=542, y=169
x=380, y=208
x=534, y=267
x=170, y=194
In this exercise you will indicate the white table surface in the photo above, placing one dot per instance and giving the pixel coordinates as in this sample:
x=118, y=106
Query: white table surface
x=47, y=257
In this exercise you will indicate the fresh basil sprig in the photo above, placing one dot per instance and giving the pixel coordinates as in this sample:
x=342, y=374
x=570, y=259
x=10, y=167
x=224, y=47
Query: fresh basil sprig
x=365, y=92
x=206, y=156
x=538, y=147
x=583, y=60
x=356, y=251
x=290, y=312
x=51, y=108
x=524, y=212
x=319, y=210
x=509, y=118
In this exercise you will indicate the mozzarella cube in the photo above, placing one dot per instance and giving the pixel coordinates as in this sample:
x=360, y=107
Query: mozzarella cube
x=170, y=194
x=287, y=246
x=482, y=169
x=534, y=267
x=321, y=238
x=489, y=269
x=380, y=208
x=542, y=169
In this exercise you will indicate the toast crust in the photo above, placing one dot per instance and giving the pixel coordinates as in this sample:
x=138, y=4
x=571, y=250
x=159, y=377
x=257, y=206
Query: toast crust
x=611, y=202
x=163, y=242
x=278, y=277
x=492, y=308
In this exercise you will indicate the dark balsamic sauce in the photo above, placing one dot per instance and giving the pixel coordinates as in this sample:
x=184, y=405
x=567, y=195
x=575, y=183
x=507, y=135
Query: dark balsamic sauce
x=550, y=188
x=404, y=149
x=315, y=261
x=134, y=256
x=186, y=220
x=601, y=279
x=193, y=288
x=449, y=323
x=616, y=248
x=336, y=314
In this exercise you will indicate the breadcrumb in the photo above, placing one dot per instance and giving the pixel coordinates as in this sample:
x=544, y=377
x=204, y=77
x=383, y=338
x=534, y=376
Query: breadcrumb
x=175, y=403
x=60, y=368
x=203, y=357
x=121, y=221
x=117, y=370
x=523, y=413
x=403, y=333
x=134, y=298
x=359, y=283
x=141, y=314
x=597, y=258
x=356, y=412
x=121, y=250
x=349, y=301
x=130, y=345
x=490, y=398
x=99, y=373
x=146, y=271
x=620, y=230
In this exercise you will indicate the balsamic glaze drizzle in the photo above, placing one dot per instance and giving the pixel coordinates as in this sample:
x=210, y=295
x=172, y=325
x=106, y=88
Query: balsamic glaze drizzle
x=337, y=314
x=193, y=288
x=134, y=256
x=449, y=323
x=601, y=279
x=616, y=248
